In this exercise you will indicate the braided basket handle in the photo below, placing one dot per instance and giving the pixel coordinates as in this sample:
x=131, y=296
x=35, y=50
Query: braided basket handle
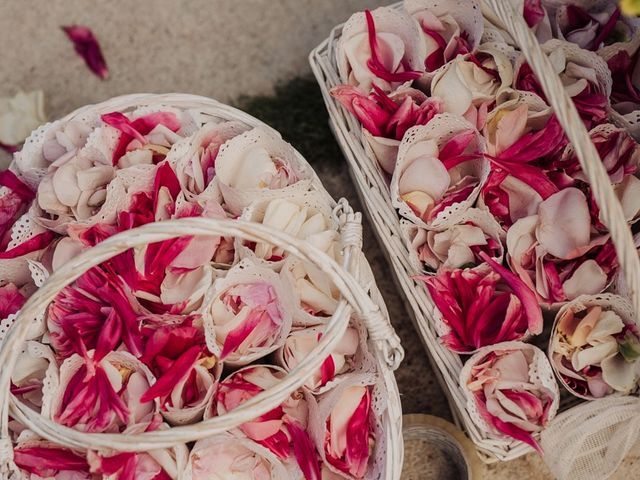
x=381, y=332
x=354, y=296
x=610, y=209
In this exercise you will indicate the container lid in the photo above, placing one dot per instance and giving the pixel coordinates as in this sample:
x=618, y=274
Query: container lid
x=436, y=449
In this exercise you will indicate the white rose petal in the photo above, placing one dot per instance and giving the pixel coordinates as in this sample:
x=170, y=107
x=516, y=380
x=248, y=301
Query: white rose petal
x=20, y=115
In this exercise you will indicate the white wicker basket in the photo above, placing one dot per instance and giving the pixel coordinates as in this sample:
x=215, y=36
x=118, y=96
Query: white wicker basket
x=376, y=199
x=354, y=279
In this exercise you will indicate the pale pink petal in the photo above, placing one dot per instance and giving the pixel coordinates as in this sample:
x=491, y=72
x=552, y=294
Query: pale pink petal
x=564, y=223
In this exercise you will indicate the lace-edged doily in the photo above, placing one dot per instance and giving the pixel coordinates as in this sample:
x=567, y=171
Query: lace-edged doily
x=442, y=128
x=247, y=272
x=232, y=151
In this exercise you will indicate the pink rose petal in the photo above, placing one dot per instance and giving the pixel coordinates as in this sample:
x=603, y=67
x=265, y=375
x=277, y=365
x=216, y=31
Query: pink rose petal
x=11, y=300
x=375, y=63
x=47, y=461
x=533, y=12
x=87, y=46
x=564, y=225
x=524, y=294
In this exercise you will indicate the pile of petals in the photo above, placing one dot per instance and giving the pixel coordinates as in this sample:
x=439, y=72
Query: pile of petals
x=154, y=336
x=595, y=347
x=511, y=386
x=498, y=217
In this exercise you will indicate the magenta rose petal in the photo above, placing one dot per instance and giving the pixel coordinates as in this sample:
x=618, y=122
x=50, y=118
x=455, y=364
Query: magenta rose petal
x=524, y=294
x=87, y=46
x=376, y=63
x=11, y=300
x=533, y=12
x=41, y=460
x=36, y=243
x=304, y=451
x=178, y=371
x=481, y=307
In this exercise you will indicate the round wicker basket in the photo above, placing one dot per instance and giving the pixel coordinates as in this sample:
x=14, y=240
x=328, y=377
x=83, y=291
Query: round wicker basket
x=349, y=278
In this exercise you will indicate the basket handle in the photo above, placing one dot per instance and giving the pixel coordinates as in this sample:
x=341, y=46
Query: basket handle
x=381, y=332
x=591, y=431
x=610, y=209
x=354, y=297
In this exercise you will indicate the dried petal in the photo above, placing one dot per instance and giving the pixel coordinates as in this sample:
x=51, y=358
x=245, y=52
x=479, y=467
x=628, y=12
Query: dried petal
x=87, y=46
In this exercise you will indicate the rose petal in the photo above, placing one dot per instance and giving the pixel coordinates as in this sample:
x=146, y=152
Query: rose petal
x=594, y=355
x=380, y=53
x=425, y=174
x=87, y=46
x=41, y=460
x=564, y=225
x=522, y=291
x=304, y=451
x=11, y=300
x=609, y=324
x=180, y=368
x=578, y=337
x=588, y=279
x=621, y=375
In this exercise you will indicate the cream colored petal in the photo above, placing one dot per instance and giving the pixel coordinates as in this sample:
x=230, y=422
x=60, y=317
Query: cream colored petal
x=593, y=356
x=588, y=279
x=450, y=87
x=523, y=200
x=65, y=184
x=628, y=192
x=609, y=324
x=620, y=374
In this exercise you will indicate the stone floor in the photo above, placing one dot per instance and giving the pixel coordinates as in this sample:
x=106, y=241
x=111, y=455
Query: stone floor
x=234, y=51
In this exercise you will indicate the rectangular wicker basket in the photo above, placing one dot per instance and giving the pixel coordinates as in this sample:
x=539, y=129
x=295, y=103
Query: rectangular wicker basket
x=374, y=193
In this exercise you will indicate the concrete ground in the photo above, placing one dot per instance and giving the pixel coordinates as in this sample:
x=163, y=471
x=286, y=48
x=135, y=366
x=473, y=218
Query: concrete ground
x=236, y=51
